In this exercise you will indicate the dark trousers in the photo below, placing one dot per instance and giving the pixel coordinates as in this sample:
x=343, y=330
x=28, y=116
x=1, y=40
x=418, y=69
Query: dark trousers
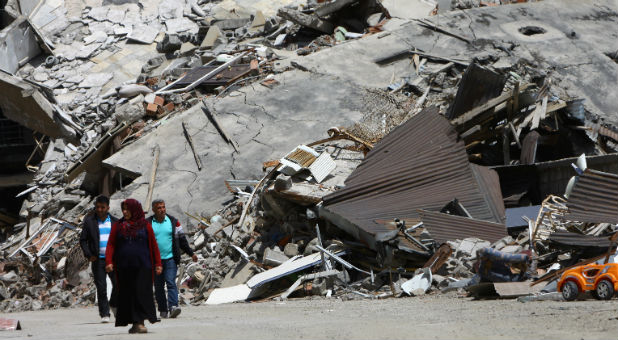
x=167, y=278
x=98, y=271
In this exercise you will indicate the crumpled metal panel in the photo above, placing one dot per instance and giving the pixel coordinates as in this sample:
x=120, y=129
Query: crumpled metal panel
x=594, y=198
x=478, y=85
x=445, y=227
x=570, y=240
x=419, y=165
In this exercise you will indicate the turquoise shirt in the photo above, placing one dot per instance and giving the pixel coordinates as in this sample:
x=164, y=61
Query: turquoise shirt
x=163, y=234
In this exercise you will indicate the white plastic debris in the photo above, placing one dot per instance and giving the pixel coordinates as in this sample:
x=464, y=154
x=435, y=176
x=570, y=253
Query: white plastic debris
x=421, y=281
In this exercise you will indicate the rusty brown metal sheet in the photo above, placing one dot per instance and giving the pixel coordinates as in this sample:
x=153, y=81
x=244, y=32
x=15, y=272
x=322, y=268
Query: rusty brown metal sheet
x=528, y=148
x=419, y=165
x=439, y=258
x=477, y=86
x=570, y=240
x=445, y=227
x=489, y=182
x=594, y=198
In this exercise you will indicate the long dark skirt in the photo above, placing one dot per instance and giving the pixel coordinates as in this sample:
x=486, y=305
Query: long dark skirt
x=134, y=296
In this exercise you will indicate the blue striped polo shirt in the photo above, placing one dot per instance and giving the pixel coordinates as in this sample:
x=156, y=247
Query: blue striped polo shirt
x=105, y=227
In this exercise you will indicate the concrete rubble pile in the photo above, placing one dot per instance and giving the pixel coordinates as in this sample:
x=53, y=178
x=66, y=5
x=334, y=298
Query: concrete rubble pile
x=350, y=149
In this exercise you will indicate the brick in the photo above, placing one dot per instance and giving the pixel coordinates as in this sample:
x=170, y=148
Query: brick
x=159, y=101
x=151, y=109
x=169, y=107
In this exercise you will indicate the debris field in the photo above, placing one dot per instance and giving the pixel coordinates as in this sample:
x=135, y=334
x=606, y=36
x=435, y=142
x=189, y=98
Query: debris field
x=350, y=149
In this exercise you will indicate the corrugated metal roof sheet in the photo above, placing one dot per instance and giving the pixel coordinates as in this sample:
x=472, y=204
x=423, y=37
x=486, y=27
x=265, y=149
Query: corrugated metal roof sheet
x=569, y=239
x=594, y=198
x=547, y=178
x=477, y=86
x=445, y=227
x=419, y=165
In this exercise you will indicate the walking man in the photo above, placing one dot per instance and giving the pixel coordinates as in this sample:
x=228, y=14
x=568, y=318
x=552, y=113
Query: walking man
x=93, y=241
x=170, y=238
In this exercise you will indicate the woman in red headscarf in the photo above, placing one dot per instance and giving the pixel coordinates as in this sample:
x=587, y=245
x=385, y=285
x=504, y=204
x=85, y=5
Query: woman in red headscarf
x=132, y=252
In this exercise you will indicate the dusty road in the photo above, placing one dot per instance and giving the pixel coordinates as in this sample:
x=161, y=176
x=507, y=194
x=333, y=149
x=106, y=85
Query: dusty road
x=427, y=317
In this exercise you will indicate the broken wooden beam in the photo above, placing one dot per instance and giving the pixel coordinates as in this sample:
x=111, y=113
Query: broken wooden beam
x=482, y=112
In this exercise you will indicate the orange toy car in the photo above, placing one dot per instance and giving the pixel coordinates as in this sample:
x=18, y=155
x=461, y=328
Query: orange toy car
x=600, y=279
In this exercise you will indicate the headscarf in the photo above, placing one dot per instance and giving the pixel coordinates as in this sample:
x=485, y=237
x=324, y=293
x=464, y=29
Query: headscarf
x=129, y=228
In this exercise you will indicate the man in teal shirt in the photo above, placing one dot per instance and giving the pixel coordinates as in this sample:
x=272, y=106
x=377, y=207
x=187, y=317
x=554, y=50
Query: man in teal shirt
x=170, y=239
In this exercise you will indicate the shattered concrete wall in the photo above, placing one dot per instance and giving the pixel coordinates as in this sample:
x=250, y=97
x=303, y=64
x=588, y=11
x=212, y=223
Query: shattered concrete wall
x=264, y=123
x=17, y=45
x=23, y=103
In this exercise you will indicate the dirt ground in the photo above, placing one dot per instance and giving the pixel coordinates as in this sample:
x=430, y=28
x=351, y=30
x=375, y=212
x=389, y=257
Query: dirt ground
x=426, y=317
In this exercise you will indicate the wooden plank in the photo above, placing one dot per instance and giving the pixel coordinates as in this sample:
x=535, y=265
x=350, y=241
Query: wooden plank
x=479, y=113
x=539, y=113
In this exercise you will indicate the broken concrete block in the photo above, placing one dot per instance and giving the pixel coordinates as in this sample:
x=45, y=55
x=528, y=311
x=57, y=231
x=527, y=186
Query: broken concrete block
x=232, y=24
x=211, y=37
x=9, y=277
x=199, y=241
x=187, y=48
x=283, y=182
x=469, y=246
x=170, y=43
x=238, y=275
x=150, y=98
x=143, y=34
x=258, y=21
x=273, y=257
x=310, y=21
x=96, y=36
x=131, y=111
x=291, y=249
x=40, y=76
x=271, y=25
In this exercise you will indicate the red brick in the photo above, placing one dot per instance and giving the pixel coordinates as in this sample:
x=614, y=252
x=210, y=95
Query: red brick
x=159, y=101
x=151, y=109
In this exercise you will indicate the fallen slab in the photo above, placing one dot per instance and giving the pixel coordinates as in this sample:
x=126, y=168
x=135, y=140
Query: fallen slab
x=253, y=117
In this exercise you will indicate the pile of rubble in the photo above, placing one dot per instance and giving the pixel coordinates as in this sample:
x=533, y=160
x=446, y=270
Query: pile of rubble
x=455, y=156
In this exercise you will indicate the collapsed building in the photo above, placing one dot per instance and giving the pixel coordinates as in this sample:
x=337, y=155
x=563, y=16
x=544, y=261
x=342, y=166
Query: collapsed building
x=373, y=147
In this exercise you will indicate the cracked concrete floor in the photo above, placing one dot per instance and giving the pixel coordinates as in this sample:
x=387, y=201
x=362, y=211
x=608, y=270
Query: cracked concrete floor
x=430, y=316
x=265, y=123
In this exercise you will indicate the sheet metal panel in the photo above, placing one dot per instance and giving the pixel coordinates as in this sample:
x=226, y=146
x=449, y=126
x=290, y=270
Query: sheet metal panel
x=445, y=227
x=594, y=198
x=419, y=165
x=477, y=86
x=569, y=239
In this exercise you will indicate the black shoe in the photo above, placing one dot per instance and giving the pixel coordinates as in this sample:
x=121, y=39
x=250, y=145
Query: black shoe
x=164, y=315
x=174, y=312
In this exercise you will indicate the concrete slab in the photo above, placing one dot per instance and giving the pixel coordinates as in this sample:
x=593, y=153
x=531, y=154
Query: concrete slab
x=576, y=36
x=266, y=123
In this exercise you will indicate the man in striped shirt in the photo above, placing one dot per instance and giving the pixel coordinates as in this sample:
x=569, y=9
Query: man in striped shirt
x=93, y=240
